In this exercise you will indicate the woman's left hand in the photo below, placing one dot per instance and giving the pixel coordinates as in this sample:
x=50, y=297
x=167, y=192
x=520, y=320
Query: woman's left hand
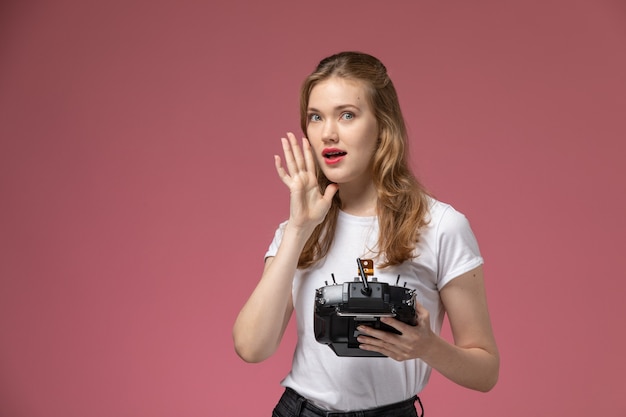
x=411, y=344
x=472, y=361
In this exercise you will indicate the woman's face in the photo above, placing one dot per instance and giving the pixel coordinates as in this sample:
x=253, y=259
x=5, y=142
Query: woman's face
x=342, y=130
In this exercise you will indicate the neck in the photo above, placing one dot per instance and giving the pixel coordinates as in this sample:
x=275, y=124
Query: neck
x=359, y=202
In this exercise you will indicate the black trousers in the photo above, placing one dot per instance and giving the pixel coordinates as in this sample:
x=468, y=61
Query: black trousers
x=292, y=404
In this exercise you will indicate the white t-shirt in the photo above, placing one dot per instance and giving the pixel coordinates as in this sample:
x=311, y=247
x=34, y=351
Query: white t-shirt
x=447, y=248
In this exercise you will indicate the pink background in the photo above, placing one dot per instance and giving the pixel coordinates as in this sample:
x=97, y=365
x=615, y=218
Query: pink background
x=138, y=194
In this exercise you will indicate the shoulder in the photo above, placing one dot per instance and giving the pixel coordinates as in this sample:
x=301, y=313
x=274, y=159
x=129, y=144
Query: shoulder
x=443, y=217
x=453, y=242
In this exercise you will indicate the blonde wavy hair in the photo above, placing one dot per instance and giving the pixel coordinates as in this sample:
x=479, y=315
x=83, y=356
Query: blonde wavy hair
x=402, y=201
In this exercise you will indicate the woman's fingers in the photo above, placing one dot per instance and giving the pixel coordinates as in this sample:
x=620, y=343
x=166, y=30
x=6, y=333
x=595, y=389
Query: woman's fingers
x=290, y=163
x=309, y=161
x=297, y=170
x=294, y=159
x=296, y=151
x=280, y=170
x=298, y=160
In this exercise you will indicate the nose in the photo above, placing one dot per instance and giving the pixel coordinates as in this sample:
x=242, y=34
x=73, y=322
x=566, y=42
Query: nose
x=329, y=132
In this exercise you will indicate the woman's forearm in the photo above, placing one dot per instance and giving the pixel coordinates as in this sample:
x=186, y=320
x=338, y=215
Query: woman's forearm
x=262, y=321
x=471, y=367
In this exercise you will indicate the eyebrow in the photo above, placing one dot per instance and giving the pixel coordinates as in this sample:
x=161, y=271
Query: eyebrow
x=338, y=108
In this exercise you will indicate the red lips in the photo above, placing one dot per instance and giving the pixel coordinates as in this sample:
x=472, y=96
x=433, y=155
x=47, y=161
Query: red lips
x=333, y=155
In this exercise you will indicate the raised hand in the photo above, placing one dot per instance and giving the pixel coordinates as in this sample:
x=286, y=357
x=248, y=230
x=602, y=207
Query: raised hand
x=308, y=206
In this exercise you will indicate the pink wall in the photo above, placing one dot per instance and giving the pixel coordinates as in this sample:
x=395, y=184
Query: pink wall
x=138, y=195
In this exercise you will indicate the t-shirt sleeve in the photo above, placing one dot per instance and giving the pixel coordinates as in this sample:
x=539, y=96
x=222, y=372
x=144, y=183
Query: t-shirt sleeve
x=457, y=246
x=278, y=237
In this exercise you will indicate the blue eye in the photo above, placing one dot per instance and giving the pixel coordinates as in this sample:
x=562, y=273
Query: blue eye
x=314, y=117
x=347, y=116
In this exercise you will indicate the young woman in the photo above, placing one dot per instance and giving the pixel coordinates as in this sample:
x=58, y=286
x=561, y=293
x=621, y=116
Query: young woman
x=353, y=196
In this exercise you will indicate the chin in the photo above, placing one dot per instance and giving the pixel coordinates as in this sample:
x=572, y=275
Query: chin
x=337, y=179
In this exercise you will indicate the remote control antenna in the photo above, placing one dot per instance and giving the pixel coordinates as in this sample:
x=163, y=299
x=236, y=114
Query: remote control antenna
x=398, y=280
x=333, y=277
x=366, y=290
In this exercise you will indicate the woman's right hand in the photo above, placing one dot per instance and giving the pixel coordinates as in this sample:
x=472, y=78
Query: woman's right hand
x=260, y=325
x=308, y=206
